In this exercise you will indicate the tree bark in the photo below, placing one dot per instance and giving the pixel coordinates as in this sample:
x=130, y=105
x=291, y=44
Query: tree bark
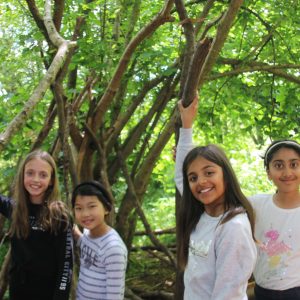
x=63, y=48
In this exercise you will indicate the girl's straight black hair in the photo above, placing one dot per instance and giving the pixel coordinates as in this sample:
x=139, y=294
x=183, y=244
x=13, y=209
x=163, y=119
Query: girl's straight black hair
x=92, y=188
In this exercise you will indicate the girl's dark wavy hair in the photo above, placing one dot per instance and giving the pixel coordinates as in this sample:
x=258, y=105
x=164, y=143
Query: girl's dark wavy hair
x=191, y=209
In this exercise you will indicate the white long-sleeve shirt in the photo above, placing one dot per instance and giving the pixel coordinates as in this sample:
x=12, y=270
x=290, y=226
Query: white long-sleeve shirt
x=221, y=257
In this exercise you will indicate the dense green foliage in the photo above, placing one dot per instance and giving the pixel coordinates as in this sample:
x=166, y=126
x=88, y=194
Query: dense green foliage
x=250, y=97
x=240, y=112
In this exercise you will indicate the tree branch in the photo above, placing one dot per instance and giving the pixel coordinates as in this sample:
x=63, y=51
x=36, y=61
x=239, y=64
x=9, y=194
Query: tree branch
x=38, y=18
x=196, y=64
x=189, y=33
x=58, y=13
x=161, y=18
x=39, y=92
x=141, y=214
x=219, y=40
x=259, y=67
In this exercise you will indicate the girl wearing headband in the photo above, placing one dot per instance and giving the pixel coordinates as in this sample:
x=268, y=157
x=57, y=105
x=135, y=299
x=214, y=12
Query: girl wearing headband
x=103, y=254
x=277, y=274
x=277, y=222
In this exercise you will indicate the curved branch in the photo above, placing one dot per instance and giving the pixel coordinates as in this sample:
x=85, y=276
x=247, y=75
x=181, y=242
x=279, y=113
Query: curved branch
x=142, y=176
x=188, y=29
x=204, y=15
x=48, y=123
x=123, y=118
x=161, y=18
x=141, y=214
x=39, y=92
x=221, y=35
x=54, y=36
x=261, y=44
x=139, y=130
x=58, y=13
x=257, y=67
x=38, y=18
x=102, y=162
x=196, y=64
x=267, y=25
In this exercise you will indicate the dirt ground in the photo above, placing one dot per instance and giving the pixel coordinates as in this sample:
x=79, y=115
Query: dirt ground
x=152, y=278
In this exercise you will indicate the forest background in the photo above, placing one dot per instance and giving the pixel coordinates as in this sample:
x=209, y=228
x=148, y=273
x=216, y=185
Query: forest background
x=96, y=83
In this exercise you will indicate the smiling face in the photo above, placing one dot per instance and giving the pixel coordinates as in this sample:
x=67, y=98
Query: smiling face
x=207, y=185
x=37, y=178
x=284, y=170
x=90, y=214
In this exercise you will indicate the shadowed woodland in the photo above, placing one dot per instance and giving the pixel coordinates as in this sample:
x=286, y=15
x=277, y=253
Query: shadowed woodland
x=96, y=83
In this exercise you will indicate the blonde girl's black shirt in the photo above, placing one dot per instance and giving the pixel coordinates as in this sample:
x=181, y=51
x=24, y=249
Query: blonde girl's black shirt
x=41, y=265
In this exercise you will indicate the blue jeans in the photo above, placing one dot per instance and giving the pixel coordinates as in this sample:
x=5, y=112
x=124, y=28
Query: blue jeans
x=265, y=294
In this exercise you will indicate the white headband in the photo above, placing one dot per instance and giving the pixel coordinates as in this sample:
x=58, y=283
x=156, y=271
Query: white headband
x=292, y=143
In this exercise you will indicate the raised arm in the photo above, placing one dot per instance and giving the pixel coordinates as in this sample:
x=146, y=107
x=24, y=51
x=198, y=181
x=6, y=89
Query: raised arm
x=188, y=114
x=185, y=142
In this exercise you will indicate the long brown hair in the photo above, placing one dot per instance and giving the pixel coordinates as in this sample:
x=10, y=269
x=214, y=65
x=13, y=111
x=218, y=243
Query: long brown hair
x=53, y=211
x=190, y=210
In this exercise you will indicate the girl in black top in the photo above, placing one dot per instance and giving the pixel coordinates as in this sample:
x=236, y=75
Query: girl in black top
x=40, y=233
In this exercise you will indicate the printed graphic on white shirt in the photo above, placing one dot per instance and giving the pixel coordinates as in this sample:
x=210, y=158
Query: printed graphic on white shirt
x=277, y=251
x=200, y=248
